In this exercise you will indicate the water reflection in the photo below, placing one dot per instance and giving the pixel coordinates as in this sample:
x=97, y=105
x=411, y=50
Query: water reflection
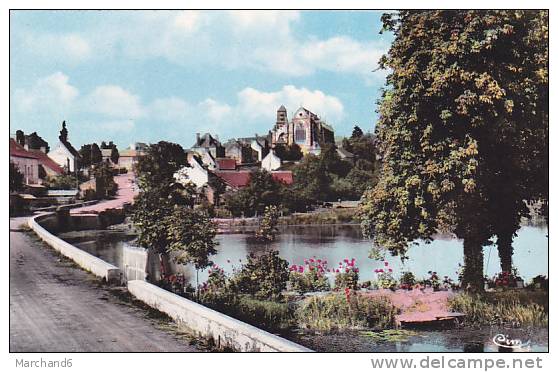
x=332, y=243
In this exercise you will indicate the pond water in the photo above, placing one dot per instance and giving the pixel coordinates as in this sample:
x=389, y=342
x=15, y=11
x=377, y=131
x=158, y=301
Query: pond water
x=333, y=243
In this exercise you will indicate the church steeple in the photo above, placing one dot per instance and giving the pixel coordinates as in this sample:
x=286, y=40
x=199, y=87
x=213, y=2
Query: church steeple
x=281, y=117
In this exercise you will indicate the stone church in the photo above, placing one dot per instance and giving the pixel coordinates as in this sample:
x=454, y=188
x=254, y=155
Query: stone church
x=305, y=128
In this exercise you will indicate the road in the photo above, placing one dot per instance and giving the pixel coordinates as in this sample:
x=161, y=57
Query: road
x=57, y=307
x=125, y=194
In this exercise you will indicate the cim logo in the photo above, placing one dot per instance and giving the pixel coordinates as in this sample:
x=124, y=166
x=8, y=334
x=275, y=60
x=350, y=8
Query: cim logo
x=505, y=341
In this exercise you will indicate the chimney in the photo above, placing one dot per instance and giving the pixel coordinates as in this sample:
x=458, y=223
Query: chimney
x=197, y=138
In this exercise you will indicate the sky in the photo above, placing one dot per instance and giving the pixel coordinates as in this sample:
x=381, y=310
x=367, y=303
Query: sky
x=146, y=76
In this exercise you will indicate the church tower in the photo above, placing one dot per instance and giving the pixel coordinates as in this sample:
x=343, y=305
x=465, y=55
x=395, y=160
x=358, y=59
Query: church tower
x=281, y=117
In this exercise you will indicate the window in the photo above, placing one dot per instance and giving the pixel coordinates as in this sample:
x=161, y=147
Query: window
x=300, y=134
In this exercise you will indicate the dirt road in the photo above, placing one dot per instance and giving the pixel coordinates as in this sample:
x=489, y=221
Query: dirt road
x=57, y=307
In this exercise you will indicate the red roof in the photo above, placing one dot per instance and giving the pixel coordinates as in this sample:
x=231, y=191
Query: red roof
x=285, y=177
x=48, y=162
x=226, y=163
x=18, y=151
x=242, y=178
x=234, y=178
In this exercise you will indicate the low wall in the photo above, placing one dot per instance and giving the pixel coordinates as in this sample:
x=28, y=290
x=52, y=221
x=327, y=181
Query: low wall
x=87, y=261
x=226, y=331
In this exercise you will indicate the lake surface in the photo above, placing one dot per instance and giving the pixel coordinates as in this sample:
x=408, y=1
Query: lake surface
x=335, y=243
x=332, y=243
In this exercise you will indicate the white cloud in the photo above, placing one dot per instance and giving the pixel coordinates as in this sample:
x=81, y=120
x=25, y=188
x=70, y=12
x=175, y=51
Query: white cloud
x=114, y=101
x=65, y=48
x=169, y=109
x=116, y=126
x=187, y=20
x=257, y=104
x=51, y=93
x=239, y=40
x=214, y=110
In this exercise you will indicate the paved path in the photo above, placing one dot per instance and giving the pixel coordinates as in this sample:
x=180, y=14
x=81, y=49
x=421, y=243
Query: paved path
x=125, y=194
x=55, y=306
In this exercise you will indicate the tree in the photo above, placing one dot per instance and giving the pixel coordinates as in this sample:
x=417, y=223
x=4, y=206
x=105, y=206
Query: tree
x=16, y=178
x=96, y=155
x=114, y=155
x=261, y=191
x=158, y=165
x=357, y=132
x=268, y=224
x=158, y=197
x=466, y=89
x=85, y=156
x=20, y=137
x=291, y=152
x=104, y=181
x=191, y=237
x=63, y=132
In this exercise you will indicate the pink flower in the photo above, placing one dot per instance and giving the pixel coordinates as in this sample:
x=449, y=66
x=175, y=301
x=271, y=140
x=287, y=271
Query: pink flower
x=390, y=270
x=386, y=263
x=347, y=270
x=311, y=260
x=336, y=270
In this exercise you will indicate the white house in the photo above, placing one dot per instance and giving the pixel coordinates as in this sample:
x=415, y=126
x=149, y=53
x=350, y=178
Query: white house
x=64, y=154
x=195, y=174
x=271, y=162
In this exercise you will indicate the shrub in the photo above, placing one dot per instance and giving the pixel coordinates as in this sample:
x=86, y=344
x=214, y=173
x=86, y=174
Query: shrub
x=337, y=312
x=407, y=280
x=346, y=275
x=264, y=276
x=385, y=277
x=309, y=278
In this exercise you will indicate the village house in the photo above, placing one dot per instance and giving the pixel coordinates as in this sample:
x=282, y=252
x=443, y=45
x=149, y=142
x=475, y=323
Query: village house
x=64, y=154
x=208, y=144
x=306, y=129
x=36, y=145
x=271, y=162
x=130, y=156
x=25, y=161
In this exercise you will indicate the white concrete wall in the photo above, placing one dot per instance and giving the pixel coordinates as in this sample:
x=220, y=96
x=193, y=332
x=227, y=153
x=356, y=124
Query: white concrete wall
x=87, y=261
x=226, y=331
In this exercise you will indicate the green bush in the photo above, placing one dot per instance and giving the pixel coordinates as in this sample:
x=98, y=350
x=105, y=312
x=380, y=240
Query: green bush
x=308, y=281
x=264, y=276
x=340, y=312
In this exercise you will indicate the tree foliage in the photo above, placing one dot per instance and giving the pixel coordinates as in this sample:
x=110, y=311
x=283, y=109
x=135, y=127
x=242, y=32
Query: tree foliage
x=16, y=178
x=464, y=114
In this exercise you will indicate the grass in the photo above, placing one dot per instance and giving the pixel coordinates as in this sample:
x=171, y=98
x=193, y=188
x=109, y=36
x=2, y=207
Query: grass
x=519, y=308
x=334, y=312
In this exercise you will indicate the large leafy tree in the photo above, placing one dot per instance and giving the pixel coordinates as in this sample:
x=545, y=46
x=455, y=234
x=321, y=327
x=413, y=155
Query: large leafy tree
x=159, y=195
x=464, y=114
x=191, y=236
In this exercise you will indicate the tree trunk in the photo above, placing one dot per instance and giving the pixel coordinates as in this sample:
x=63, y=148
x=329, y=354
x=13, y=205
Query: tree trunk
x=165, y=265
x=473, y=278
x=505, y=251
